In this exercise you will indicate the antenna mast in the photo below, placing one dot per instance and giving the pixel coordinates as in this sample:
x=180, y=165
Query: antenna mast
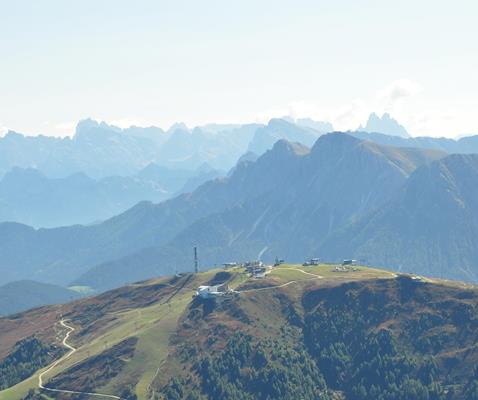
x=196, y=263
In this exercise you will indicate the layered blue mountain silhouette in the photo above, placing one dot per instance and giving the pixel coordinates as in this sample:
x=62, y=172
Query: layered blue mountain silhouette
x=344, y=196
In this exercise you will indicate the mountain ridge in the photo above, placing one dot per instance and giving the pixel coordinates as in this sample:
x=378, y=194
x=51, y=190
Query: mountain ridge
x=270, y=214
x=28, y=196
x=282, y=333
x=448, y=224
x=290, y=203
x=100, y=150
x=385, y=125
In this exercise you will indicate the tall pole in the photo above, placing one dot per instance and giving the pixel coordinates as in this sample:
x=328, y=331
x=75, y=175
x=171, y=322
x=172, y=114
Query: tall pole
x=196, y=263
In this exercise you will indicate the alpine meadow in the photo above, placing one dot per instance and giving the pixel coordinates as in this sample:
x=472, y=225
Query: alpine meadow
x=256, y=200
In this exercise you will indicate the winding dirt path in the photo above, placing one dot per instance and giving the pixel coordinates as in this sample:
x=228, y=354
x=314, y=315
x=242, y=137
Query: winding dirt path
x=284, y=284
x=152, y=380
x=66, y=356
x=304, y=272
x=73, y=350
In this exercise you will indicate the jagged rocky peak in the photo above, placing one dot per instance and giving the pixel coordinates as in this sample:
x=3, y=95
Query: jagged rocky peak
x=384, y=124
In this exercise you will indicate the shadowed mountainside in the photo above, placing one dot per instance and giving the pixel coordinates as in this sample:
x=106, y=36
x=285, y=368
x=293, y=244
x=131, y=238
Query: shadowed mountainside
x=431, y=227
x=292, y=202
x=285, y=204
x=29, y=197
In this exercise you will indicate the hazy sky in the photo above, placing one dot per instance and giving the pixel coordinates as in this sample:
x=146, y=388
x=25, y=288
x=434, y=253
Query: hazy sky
x=157, y=62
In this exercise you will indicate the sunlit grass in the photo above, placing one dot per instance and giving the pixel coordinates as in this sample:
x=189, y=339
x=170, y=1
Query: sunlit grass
x=154, y=325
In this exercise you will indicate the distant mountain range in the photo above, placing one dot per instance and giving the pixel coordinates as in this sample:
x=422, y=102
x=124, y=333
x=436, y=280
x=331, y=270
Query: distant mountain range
x=326, y=202
x=465, y=145
x=100, y=150
x=277, y=129
x=293, y=202
x=29, y=197
x=104, y=170
x=336, y=199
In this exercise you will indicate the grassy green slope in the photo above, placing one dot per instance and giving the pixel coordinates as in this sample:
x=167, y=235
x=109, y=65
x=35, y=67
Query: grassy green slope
x=162, y=315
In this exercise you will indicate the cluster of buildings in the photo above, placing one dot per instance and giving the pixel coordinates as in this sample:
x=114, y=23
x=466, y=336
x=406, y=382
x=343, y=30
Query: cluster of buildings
x=258, y=270
x=312, y=261
x=345, y=266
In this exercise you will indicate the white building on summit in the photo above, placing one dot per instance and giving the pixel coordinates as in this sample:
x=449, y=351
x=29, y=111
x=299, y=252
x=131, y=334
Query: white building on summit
x=207, y=292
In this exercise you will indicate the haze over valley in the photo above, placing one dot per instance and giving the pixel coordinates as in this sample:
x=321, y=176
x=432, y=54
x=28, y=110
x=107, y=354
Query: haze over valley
x=221, y=200
x=284, y=190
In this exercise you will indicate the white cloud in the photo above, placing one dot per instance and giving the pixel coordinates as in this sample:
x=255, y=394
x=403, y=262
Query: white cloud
x=3, y=130
x=399, y=89
x=390, y=98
